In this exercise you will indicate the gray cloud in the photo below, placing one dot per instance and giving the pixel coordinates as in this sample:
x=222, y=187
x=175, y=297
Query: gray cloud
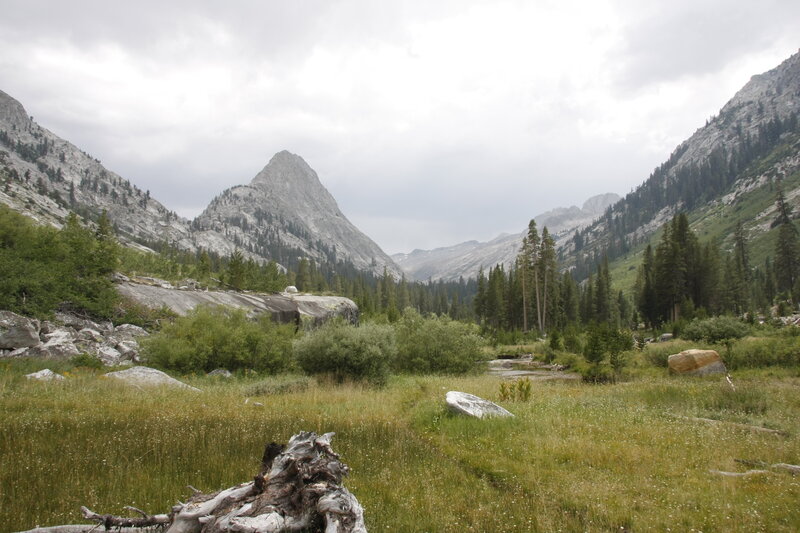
x=430, y=122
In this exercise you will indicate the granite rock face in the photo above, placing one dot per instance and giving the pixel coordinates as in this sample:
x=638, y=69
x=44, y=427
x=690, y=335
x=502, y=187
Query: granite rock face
x=285, y=308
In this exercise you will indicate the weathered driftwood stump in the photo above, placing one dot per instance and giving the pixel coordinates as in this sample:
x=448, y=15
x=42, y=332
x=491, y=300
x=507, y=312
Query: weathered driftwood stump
x=299, y=488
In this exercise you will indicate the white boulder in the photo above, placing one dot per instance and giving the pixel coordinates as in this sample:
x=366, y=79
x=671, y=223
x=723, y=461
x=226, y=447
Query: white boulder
x=471, y=405
x=148, y=377
x=45, y=375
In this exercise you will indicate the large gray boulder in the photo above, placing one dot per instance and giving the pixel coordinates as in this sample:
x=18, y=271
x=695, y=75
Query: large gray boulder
x=143, y=376
x=471, y=405
x=17, y=331
x=696, y=363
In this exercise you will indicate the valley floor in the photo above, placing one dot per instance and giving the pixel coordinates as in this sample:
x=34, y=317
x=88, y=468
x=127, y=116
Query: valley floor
x=577, y=457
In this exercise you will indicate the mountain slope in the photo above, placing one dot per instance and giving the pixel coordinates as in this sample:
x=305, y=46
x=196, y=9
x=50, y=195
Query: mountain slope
x=45, y=177
x=285, y=213
x=739, y=153
x=465, y=259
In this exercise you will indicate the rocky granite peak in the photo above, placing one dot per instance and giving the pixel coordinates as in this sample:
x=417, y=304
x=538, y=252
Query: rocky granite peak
x=286, y=206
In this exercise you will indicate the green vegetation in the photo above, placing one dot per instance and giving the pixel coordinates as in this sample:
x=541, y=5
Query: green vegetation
x=216, y=337
x=348, y=353
x=715, y=329
x=576, y=457
x=438, y=345
x=43, y=268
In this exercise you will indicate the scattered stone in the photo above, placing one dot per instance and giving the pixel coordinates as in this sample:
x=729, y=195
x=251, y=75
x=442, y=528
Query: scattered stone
x=118, y=277
x=665, y=337
x=696, y=363
x=17, y=331
x=45, y=375
x=221, y=372
x=291, y=289
x=148, y=377
x=471, y=405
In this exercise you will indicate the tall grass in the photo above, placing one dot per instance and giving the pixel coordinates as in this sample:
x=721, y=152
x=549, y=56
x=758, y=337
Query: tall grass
x=575, y=458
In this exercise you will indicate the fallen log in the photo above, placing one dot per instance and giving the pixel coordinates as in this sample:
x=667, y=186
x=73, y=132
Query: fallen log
x=298, y=488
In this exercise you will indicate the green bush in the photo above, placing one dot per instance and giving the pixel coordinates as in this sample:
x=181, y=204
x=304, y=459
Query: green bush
x=218, y=337
x=756, y=352
x=347, y=352
x=715, y=329
x=436, y=345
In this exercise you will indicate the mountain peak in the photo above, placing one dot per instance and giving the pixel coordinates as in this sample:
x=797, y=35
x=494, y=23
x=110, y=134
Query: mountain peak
x=284, y=169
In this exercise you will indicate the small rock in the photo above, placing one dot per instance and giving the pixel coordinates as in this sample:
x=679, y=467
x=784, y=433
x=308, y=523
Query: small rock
x=45, y=375
x=221, y=372
x=471, y=405
x=291, y=289
x=148, y=377
x=696, y=363
x=17, y=331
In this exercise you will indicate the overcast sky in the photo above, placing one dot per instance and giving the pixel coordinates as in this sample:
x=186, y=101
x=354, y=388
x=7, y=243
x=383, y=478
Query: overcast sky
x=431, y=122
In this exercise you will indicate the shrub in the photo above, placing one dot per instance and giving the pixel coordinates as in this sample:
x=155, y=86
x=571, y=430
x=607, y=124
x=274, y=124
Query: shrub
x=436, y=345
x=346, y=352
x=278, y=385
x=87, y=360
x=755, y=352
x=218, y=337
x=715, y=329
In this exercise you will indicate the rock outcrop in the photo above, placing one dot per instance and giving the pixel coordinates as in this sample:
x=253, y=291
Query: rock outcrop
x=471, y=405
x=285, y=308
x=696, y=363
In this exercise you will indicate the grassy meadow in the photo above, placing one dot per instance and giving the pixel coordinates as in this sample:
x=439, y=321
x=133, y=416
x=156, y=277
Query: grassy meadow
x=577, y=457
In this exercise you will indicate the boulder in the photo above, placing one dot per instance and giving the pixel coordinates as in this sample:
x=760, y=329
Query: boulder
x=57, y=348
x=17, y=331
x=696, y=363
x=90, y=335
x=129, y=350
x=109, y=356
x=471, y=405
x=148, y=377
x=221, y=372
x=131, y=330
x=45, y=375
